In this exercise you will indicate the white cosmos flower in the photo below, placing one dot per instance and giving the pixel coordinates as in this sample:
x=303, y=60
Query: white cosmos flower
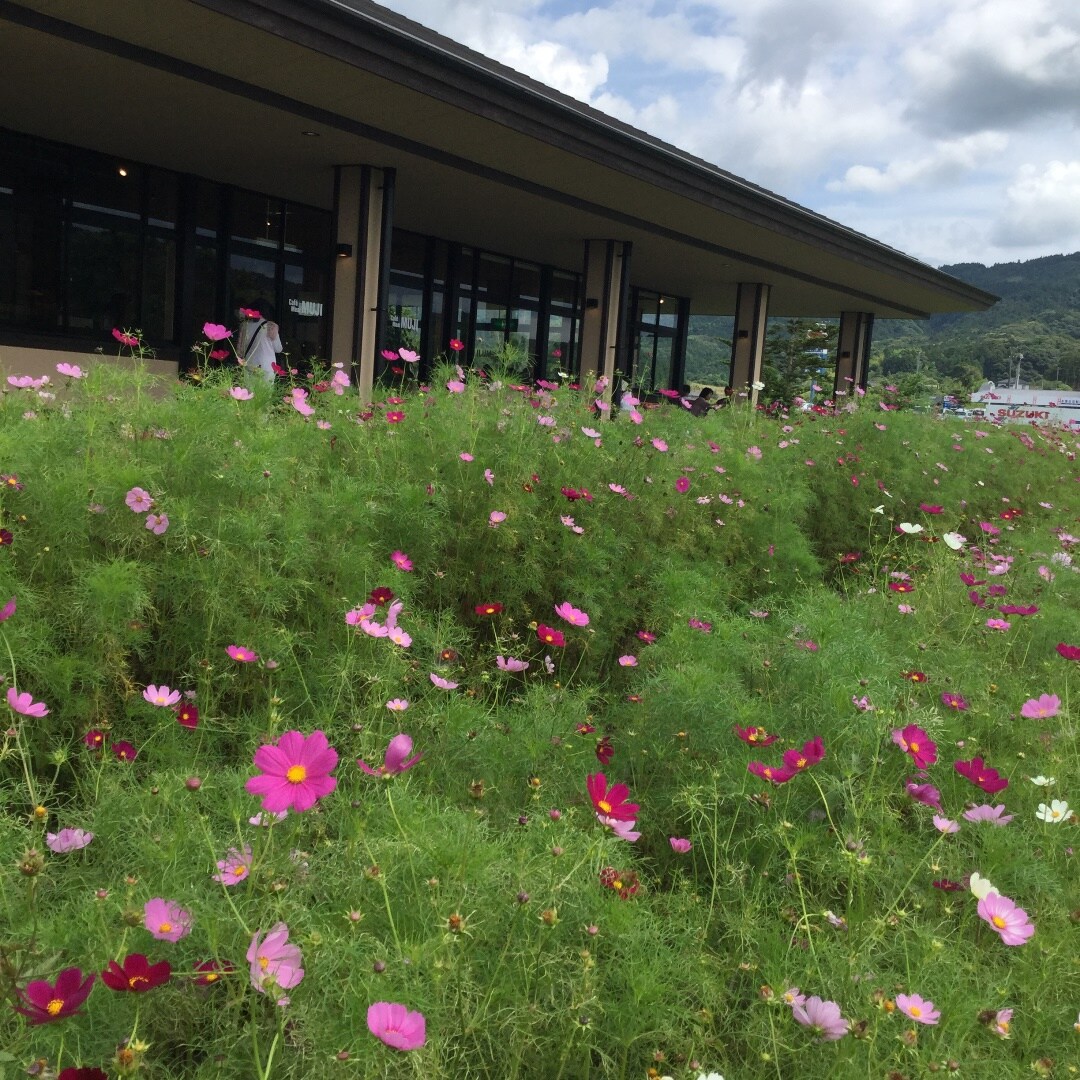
x=1055, y=813
x=909, y=528
x=1043, y=781
x=878, y=509
x=954, y=540
x=756, y=386
x=980, y=887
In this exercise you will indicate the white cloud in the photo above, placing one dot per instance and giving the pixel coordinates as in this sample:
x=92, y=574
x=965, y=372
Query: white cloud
x=1043, y=207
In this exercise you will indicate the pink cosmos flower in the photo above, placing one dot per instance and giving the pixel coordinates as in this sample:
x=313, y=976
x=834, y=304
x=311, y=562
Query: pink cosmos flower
x=235, y=866
x=441, y=683
x=241, y=393
x=138, y=501
x=571, y=614
x=660, y=445
x=25, y=704
x=954, y=701
x=465, y=456
x=1010, y=921
x=496, y=518
x=396, y=1026
x=161, y=696
x=682, y=485
x=166, y=920
x=792, y=997
x=998, y=624
x=266, y=820
x=295, y=772
x=999, y=1023
x=510, y=664
x=397, y=758
x=994, y=814
x=397, y=704
x=455, y=386
x=926, y=794
x=7, y=610
x=915, y=742
x=647, y=636
x=274, y=963
x=72, y=371
x=1042, y=706
x=754, y=453
x=679, y=844
x=627, y=661
x=239, y=652
x=1067, y=652
x=914, y=1007
x=68, y=840
x=401, y=561
x=944, y=825
x=215, y=331
x=623, y=830
x=822, y=1017
x=700, y=624
x=399, y=637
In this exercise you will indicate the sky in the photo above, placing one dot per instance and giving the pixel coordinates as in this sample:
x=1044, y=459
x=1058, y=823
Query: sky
x=948, y=129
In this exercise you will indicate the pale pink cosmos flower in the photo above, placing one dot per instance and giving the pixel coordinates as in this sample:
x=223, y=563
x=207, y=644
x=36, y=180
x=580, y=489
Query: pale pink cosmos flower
x=441, y=683
x=161, y=696
x=489, y=478
x=68, y=839
x=628, y=661
x=915, y=1008
x=268, y=819
x=240, y=653
x=1010, y=921
x=166, y=920
x=754, y=452
x=1045, y=705
x=792, y=996
x=397, y=704
x=944, y=825
x=1000, y=1023
x=373, y=628
x=822, y=1017
x=510, y=664
x=72, y=371
x=138, y=501
x=396, y=1026
x=465, y=456
x=679, y=844
x=496, y=518
x=323, y=425
x=994, y=814
x=660, y=445
x=401, y=561
x=399, y=637
x=157, y=523
x=998, y=624
x=240, y=393
x=235, y=866
x=397, y=758
x=274, y=963
x=623, y=830
x=25, y=704
x=574, y=616
x=358, y=615
x=455, y=386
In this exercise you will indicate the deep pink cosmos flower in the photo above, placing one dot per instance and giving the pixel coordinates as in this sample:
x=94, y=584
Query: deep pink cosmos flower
x=161, y=695
x=811, y=753
x=927, y=794
x=647, y=636
x=397, y=758
x=571, y=614
x=1044, y=705
x=43, y=1002
x=1068, y=652
x=123, y=750
x=755, y=736
x=914, y=1007
x=981, y=775
x=68, y=840
x=610, y=802
x=1010, y=921
x=401, y=561
x=915, y=742
x=216, y=332
x=771, y=773
x=295, y=772
x=274, y=963
x=187, y=715
x=166, y=920
x=605, y=750
x=700, y=624
x=85, y=1072
x=550, y=636
x=241, y=653
x=7, y=610
x=136, y=973
x=235, y=866
x=396, y=1026
x=25, y=704
x=954, y=701
x=822, y=1017
x=682, y=485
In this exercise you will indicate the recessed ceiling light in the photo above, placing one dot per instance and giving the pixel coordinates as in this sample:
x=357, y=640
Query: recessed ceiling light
x=122, y=171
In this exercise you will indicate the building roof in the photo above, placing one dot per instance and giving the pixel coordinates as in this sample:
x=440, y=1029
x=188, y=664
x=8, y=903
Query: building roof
x=271, y=94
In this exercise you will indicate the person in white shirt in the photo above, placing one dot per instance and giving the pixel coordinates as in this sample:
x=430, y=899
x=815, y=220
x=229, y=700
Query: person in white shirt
x=258, y=343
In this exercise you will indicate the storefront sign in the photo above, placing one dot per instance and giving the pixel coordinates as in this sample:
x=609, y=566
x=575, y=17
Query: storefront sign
x=305, y=307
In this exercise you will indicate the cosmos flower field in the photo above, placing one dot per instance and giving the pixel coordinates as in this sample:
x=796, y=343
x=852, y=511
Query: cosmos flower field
x=475, y=733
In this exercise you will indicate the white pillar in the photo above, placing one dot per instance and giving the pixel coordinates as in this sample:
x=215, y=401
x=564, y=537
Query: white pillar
x=607, y=294
x=748, y=340
x=853, y=350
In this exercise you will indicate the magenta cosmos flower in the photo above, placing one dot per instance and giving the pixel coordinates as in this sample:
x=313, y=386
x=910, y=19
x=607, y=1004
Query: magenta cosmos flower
x=7, y=610
x=916, y=743
x=915, y=1008
x=981, y=775
x=136, y=973
x=822, y=1017
x=68, y=840
x=679, y=844
x=396, y=1025
x=275, y=964
x=241, y=653
x=1044, y=705
x=43, y=1002
x=954, y=701
x=25, y=704
x=550, y=636
x=295, y=772
x=927, y=794
x=610, y=802
x=161, y=695
x=397, y=758
x=235, y=866
x=1010, y=921
x=401, y=561
x=166, y=920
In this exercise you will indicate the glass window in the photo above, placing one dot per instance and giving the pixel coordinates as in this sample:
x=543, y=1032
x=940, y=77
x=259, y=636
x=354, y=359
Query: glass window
x=492, y=302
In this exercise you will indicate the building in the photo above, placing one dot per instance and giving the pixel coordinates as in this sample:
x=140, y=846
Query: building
x=376, y=185
x=1021, y=404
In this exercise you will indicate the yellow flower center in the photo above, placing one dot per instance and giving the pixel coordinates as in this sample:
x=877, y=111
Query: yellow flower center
x=1003, y=1025
x=264, y=962
x=801, y=763
x=1055, y=813
x=296, y=775
x=616, y=884
x=998, y=921
x=913, y=747
x=239, y=871
x=54, y=1006
x=604, y=805
x=165, y=928
x=135, y=981
x=210, y=977
x=915, y=1011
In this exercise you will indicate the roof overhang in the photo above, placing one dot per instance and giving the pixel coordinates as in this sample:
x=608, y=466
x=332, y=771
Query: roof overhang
x=231, y=89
